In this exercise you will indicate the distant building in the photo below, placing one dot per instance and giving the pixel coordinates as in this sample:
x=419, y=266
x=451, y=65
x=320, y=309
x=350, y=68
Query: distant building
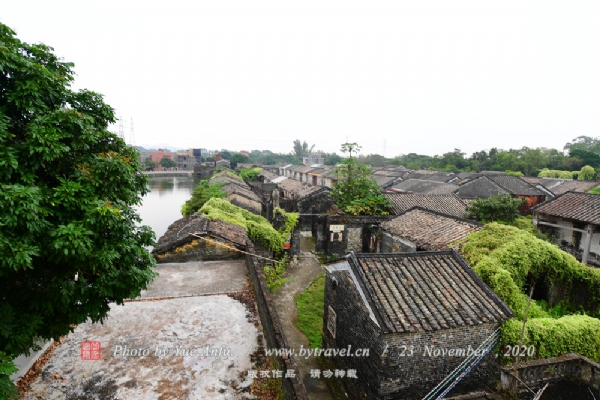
x=572, y=220
x=156, y=156
x=245, y=153
x=313, y=159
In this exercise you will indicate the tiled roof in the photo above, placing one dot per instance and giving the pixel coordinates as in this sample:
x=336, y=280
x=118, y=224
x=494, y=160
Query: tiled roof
x=560, y=186
x=425, y=186
x=429, y=230
x=437, y=177
x=582, y=207
x=426, y=291
x=384, y=181
x=269, y=176
x=300, y=189
x=443, y=203
x=515, y=185
x=487, y=185
x=179, y=233
x=232, y=188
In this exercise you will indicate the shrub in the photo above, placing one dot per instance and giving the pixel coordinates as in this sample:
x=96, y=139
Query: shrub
x=495, y=208
x=202, y=193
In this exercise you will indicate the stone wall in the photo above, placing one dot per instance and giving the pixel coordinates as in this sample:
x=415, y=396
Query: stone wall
x=354, y=239
x=198, y=250
x=536, y=373
x=394, y=244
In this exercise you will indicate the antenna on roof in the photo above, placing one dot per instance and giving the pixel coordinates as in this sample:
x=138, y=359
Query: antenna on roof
x=384, y=140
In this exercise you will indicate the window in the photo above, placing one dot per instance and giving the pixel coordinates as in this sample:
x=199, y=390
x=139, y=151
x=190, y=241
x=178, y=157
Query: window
x=331, y=321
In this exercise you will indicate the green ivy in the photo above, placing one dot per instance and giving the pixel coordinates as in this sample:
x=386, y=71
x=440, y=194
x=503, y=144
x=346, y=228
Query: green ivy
x=250, y=174
x=203, y=192
x=507, y=259
x=257, y=227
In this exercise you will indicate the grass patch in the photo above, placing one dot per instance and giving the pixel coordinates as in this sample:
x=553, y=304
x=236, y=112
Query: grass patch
x=310, y=311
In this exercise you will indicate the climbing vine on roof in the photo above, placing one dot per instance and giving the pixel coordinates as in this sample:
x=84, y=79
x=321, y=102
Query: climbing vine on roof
x=257, y=227
x=509, y=259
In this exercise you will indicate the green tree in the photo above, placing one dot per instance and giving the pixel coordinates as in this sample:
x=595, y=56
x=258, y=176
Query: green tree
x=225, y=154
x=202, y=193
x=356, y=192
x=496, y=208
x=237, y=158
x=166, y=162
x=301, y=148
x=69, y=240
x=587, y=173
x=149, y=164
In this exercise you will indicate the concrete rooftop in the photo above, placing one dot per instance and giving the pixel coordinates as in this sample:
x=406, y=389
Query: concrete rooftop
x=166, y=333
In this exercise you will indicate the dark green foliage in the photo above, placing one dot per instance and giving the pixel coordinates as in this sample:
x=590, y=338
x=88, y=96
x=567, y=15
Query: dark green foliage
x=166, y=162
x=495, y=208
x=149, y=164
x=356, y=192
x=7, y=389
x=237, y=158
x=202, y=193
x=250, y=174
x=508, y=260
x=68, y=192
x=301, y=149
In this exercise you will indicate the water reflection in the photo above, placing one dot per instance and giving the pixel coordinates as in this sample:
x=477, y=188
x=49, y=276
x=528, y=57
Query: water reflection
x=162, y=206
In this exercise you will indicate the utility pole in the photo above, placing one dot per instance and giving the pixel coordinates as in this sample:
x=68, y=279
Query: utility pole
x=131, y=135
x=121, y=132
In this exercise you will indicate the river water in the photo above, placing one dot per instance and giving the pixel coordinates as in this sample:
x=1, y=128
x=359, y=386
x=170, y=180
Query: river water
x=162, y=206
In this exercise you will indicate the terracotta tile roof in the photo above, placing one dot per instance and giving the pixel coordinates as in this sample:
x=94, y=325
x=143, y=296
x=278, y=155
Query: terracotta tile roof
x=425, y=186
x=582, y=207
x=426, y=291
x=179, y=233
x=443, y=203
x=429, y=230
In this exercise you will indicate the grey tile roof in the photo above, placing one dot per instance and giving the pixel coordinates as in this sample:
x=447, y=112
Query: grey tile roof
x=232, y=188
x=487, y=185
x=426, y=291
x=384, y=181
x=437, y=177
x=299, y=189
x=443, y=203
x=560, y=186
x=429, y=230
x=583, y=207
x=425, y=186
x=269, y=176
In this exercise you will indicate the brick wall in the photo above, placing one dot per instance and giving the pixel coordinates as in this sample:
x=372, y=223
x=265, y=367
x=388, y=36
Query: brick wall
x=353, y=327
x=389, y=372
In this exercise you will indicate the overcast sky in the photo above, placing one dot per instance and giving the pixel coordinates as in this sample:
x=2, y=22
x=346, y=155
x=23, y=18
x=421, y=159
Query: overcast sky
x=420, y=77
